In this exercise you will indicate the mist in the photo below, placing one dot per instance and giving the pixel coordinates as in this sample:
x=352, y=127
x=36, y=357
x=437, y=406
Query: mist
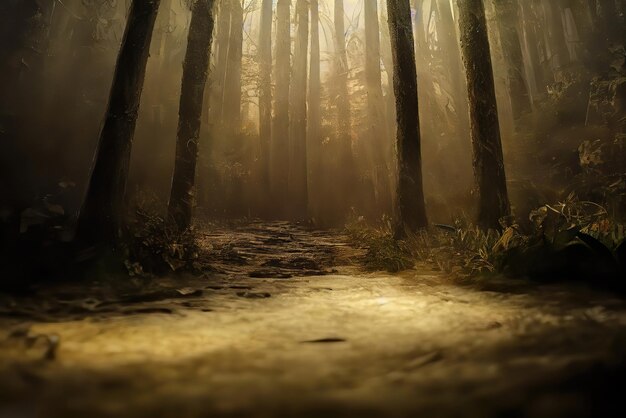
x=66, y=58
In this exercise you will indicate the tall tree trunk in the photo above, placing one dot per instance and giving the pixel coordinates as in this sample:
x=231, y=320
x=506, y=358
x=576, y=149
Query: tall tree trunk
x=280, y=129
x=344, y=121
x=390, y=99
x=507, y=16
x=493, y=201
x=218, y=76
x=195, y=73
x=265, y=90
x=298, y=186
x=314, y=118
x=101, y=218
x=232, y=84
x=376, y=104
x=410, y=210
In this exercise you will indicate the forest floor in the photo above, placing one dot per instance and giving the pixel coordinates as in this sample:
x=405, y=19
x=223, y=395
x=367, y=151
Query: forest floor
x=284, y=323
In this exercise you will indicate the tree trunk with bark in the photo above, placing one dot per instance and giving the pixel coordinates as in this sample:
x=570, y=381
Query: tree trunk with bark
x=280, y=128
x=493, y=201
x=507, y=16
x=265, y=90
x=298, y=186
x=102, y=215
x=195, y=73
x=410, y=210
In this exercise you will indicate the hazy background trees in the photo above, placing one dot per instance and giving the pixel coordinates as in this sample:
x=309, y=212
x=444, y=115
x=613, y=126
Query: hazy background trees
x=557, y=67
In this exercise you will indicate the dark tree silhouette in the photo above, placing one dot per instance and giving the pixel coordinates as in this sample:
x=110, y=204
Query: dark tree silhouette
x=410, y=210
x=195, y=73
x=493, y=201
x=101, y=217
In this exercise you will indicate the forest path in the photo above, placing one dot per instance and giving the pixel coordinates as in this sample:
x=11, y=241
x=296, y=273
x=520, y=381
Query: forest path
x=288, y=325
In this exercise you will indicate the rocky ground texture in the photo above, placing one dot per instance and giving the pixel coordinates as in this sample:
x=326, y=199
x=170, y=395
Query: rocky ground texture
x=285, y=323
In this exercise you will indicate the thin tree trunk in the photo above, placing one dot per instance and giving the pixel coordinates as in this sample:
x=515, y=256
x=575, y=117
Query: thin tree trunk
x=507, y=16
x=314, y=118
x=280, y=128
x=390, y=99
x=493, y=201
x=375, y=104
x=410, y=210
x=232, y=84
x=218, y=77
x=344, y=121
x=265, y=90
x=101, y=218
x=298, y=165
x=195, y=73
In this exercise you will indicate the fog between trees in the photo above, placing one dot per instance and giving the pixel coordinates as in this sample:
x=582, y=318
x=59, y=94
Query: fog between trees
x=298, y=117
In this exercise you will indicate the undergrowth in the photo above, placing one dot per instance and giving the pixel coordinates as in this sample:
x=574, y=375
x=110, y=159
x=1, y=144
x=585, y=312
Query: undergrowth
x=156, y=246
x=571, y=240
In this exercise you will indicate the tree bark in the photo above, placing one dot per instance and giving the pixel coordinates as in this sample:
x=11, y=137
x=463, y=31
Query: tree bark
x=232, y=83
x=493, y=201
x=280, y=128
x=265, y=90
x=195, y=73
x=410, y=210
x=507, y=16
x=298, y=186
x=101, y=218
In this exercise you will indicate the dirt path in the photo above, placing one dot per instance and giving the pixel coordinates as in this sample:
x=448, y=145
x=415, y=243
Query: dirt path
x=286, y=325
